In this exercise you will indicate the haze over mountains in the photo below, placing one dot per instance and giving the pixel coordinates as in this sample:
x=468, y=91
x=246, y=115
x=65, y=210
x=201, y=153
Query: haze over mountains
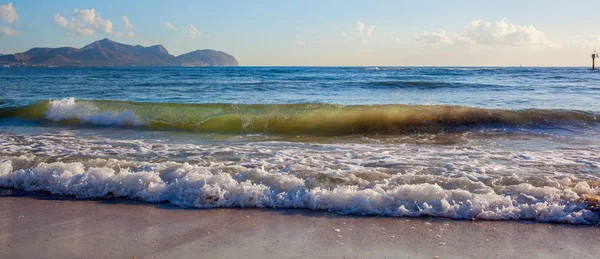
x=108, y=53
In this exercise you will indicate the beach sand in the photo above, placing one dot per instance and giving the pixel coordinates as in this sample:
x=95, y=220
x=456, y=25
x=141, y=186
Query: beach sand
x=39, y=225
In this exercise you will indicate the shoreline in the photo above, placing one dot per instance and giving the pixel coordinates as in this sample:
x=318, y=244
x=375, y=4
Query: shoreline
x=42, y=225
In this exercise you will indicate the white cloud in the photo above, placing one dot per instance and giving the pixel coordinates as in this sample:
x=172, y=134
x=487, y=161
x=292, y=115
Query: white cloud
x=78, y=28
x=299, y=42
x=126, y=24
x=504, y=33
x=433, y=38
x=85, y=23
x=8, y=13
x=370, y=31
x=7, y=31
x=170, y=26
x=60, y=21
x=344, y=35
x=365, y=35
x=360, y=26
x=86, y=15
x=89, y=16
x=102, y=25
x=192, y=32
x=500, y=33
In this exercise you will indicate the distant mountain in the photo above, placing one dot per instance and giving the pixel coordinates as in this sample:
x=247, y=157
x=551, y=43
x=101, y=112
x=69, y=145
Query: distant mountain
x=108, y=53
x=206, y=57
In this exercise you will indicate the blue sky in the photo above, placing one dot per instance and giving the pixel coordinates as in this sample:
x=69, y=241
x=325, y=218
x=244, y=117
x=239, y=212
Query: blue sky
x=484, y=33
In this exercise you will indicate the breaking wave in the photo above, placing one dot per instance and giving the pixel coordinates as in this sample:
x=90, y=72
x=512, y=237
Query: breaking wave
x=473, y=180
x=216, y=186
x=308, y=118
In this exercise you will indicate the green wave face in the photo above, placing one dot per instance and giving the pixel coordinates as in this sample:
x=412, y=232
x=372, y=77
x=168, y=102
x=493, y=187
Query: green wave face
x=309, y=118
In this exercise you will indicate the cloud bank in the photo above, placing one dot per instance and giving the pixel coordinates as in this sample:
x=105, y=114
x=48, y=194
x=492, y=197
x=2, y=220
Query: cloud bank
x=479, y=32
x=86, y=22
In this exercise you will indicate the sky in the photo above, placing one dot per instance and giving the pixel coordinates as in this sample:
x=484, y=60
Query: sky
x=321, y=33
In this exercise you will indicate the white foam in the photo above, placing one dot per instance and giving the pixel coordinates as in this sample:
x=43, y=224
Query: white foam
x=68, y=108
x=463, y=182
x=197, y=186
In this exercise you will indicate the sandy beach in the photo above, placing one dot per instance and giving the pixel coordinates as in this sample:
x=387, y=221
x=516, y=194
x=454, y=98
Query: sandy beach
x=45, y=226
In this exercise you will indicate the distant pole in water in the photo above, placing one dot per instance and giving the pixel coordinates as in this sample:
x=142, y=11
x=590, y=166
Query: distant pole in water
x=594, y=56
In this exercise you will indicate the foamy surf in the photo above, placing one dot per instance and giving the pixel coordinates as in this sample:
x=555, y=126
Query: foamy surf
x=473, y=180
x=87, y=113
x=195, y=186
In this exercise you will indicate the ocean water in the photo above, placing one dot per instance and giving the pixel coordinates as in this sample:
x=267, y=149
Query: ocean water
x=463, y=143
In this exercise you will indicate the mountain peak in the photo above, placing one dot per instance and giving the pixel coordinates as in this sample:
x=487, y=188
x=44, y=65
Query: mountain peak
x=105, y=41
x=106, y=52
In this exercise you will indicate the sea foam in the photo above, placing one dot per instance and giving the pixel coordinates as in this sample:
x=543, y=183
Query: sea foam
x=68, y=109
x=473, y=180
x=196, y=186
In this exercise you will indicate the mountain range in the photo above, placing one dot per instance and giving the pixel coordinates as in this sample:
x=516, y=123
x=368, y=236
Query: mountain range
x=108, y=53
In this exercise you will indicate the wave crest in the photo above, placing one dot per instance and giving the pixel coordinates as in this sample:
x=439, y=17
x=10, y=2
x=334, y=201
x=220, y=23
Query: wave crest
x=67, y=109
x=319, y=119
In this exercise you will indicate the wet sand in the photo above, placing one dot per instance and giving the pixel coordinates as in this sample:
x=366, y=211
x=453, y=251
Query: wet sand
x=46, y=226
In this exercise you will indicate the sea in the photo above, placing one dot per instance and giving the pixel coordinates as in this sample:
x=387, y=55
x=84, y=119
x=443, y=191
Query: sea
x=471, y=143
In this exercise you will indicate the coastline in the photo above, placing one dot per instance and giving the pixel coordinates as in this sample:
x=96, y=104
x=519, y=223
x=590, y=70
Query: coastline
x=47, y=226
